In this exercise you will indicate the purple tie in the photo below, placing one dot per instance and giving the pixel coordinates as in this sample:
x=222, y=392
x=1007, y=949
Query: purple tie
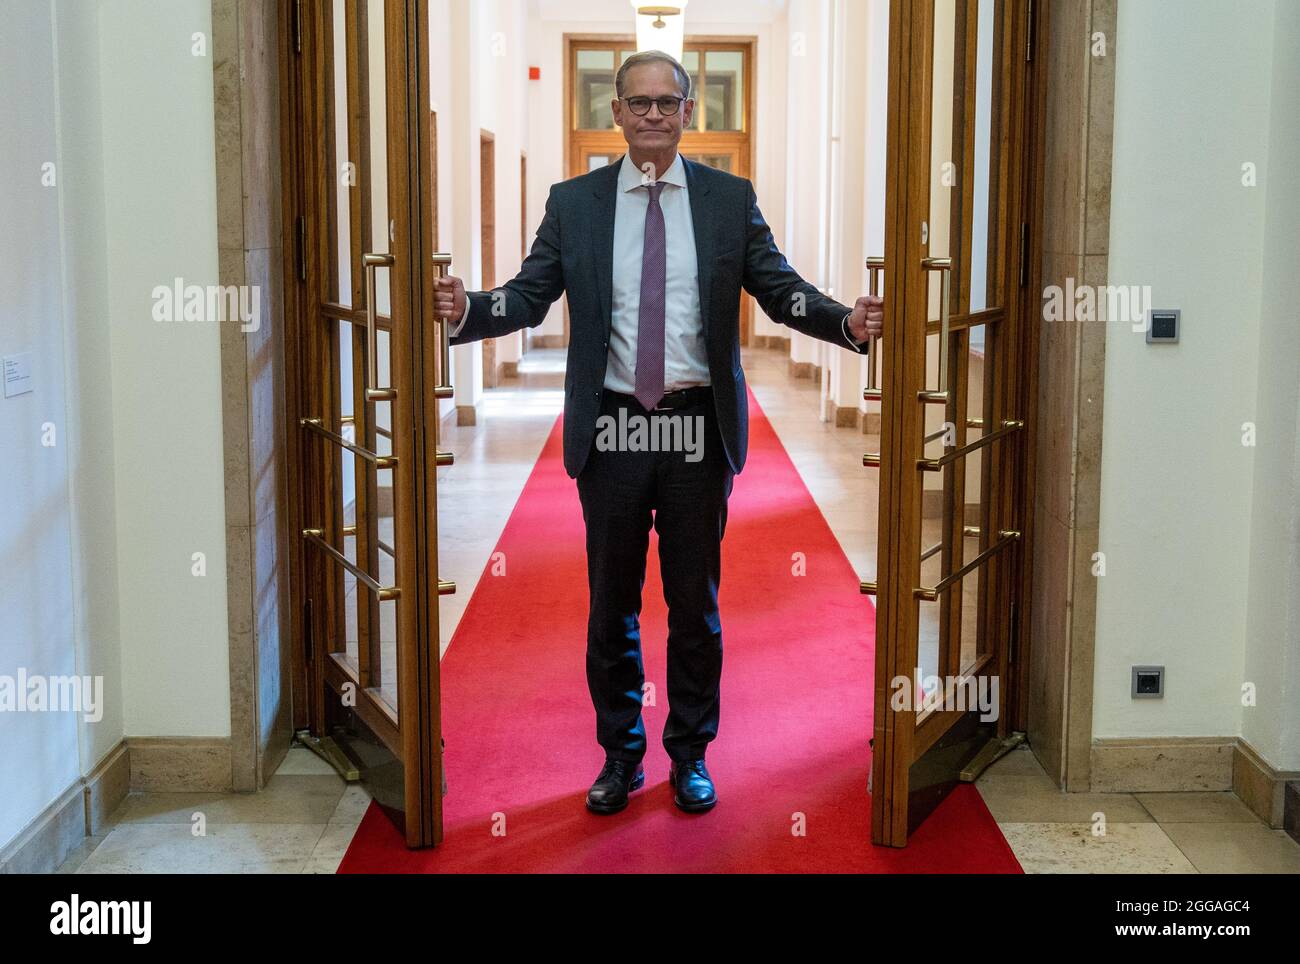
x=650, y=324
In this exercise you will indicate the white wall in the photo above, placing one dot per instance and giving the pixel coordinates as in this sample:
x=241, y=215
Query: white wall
x=858, y=187
x=1183, y=503
x=443, y=100
x=89, y=383
x=807, y=152
x=38, y=751
x=465, y=31
x=160, y=175
x=508, y=123
x=100, y=527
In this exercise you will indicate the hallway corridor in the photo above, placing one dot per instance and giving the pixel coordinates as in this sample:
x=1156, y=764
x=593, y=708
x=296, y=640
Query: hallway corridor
x=364, y=359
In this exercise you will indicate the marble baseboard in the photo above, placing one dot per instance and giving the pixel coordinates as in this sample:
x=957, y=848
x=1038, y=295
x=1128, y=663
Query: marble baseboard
x=467, y=415
x=775, y=342
x=46, y=842
x=800, y=369
x=63, y=826
x=1156, y=765
x=508, y=369
x=548, y=341
x=1260, y=786
x=1291, y=810
x=180, y=763
x=106, y=787
x=870, y=423
x=845, y=416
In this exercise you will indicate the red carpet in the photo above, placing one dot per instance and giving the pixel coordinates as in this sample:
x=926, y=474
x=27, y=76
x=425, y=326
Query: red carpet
x=796, y=710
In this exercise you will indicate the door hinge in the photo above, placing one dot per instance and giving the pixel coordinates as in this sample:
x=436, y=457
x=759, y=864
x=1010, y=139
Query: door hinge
x=300, y=247
x=1024, y=254
x=1030, y=23
x=297, y=26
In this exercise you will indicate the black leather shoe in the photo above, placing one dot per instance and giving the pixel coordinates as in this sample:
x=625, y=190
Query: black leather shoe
x=617, y=779
x=693, y=786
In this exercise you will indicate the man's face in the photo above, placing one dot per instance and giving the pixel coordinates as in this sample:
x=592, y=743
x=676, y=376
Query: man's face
x=652, y=133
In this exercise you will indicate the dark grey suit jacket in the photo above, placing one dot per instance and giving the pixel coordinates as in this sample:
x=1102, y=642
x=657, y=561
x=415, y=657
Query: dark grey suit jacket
x=574, y=254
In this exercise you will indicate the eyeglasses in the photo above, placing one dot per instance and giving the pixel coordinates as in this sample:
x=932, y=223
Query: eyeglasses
x=641, y=105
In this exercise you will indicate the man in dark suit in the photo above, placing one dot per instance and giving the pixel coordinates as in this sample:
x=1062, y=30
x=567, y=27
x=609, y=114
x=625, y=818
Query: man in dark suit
x=652, y=252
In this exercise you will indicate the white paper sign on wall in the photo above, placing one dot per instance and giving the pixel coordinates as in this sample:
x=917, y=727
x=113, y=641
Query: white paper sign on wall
x=18, y=374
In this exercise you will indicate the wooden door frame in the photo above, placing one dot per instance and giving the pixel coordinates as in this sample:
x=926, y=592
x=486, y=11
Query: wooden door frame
x=897, y=740
x=247, y=91
x=265, y=45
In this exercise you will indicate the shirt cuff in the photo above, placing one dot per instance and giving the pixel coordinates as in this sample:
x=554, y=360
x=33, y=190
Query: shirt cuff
x=464, y=316
x=844, y=326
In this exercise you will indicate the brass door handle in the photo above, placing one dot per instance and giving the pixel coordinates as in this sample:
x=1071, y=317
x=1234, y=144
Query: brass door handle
x=944, y=265
x=374, y=393
x=383, y=593
x=1006, y=537
x=872, y=392
x=441, y=265
x=874, y=267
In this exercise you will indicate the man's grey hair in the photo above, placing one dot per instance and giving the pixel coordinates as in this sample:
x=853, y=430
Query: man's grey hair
x=653, y=57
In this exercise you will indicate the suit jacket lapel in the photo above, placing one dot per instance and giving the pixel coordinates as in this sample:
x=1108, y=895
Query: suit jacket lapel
x=605, y=188
x=696, y=188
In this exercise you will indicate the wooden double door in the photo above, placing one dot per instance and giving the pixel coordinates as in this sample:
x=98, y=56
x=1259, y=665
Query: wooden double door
x=368, y=367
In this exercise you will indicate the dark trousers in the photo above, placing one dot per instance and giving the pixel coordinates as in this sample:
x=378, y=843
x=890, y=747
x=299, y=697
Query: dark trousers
x=623, y=493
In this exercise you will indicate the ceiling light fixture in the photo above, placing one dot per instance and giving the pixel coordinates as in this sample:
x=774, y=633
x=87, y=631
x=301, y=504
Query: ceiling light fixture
x=660, y=27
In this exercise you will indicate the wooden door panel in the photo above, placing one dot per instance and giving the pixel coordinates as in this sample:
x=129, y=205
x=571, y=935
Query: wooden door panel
x=953, y=397
x=359, y=169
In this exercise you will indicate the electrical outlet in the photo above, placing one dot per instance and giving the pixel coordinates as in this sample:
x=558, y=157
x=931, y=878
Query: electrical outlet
x=1148, y=682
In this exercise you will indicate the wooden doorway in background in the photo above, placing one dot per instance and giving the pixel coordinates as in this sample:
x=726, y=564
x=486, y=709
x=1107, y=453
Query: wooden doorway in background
x=722, y=73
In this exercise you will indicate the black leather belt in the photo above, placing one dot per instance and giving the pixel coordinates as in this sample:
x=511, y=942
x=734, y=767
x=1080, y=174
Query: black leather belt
x=678, y=398
x=682, y=397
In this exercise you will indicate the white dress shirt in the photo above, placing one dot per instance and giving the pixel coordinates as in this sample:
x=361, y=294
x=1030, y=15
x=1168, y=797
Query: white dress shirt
x=686, y=362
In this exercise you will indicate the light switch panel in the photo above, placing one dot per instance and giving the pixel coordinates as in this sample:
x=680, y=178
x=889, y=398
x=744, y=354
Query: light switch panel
x=1162, y=326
